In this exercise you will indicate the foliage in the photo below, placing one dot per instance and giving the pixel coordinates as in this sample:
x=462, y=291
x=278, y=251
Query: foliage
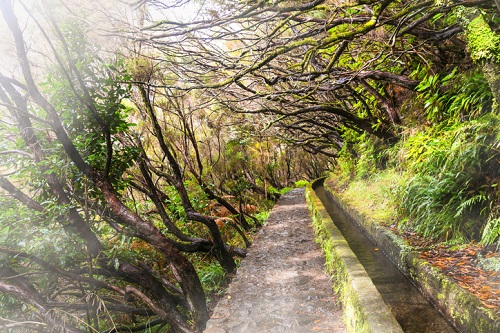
x=455, y=178
x=361, y=155
x=112, y=167
x=109, y=181
x=212, y=275
x=453, y=97
x=450, y=165
x=491, y=231
x=432, y=96
x=263, y=216
x=301, y=183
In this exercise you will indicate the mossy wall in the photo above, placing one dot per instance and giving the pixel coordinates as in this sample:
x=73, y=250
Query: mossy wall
x=364, y=309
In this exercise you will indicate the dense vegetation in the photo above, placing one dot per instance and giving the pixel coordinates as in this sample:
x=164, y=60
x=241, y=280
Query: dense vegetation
x=137, y=148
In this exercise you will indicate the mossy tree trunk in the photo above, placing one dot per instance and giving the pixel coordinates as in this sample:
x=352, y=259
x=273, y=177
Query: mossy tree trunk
x=484, y=47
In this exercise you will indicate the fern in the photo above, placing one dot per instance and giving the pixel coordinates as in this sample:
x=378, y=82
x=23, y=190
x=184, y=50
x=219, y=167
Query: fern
x=467, y=204
x=491, y=231
x=454, y=169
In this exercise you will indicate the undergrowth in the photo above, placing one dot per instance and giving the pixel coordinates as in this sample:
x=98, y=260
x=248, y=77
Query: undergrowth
x=453, y=187
x=440, y=180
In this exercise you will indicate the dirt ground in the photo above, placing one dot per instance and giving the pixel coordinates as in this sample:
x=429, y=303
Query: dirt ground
x=280, y=286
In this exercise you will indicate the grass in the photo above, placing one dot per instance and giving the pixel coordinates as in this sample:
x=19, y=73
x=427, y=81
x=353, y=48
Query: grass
x=372, y=196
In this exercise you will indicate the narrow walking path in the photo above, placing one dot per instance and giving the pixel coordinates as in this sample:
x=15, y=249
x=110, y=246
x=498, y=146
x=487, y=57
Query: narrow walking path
x=280, y=286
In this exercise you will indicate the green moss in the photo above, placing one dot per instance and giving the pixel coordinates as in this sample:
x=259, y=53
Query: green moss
x=490, y=264
x=336, y=269
x=484, y=44
x=359, y=313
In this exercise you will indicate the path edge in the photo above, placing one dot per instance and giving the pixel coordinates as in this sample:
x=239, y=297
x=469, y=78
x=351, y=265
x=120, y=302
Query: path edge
x=363, y=306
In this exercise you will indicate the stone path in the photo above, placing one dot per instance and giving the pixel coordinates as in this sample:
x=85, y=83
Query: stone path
x=280, y=286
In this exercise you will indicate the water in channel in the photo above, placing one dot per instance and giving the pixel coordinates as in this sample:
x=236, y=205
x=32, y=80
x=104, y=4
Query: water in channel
x=412, y=310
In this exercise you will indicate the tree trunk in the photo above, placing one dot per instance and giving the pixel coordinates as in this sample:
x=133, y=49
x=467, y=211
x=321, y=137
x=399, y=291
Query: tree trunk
x=484, y=47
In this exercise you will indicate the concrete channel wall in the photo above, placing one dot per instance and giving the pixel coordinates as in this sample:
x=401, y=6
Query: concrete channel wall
x=465, y=311
x=364, y=309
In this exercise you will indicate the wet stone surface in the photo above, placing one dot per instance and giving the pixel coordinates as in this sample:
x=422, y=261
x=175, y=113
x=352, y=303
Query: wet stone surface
x=280, y=286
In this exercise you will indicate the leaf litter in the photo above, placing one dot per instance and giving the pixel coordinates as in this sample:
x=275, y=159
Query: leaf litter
x=461, y=265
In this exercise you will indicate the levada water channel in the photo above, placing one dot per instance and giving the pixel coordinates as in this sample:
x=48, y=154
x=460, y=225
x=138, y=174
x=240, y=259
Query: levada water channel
x=414, y=313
